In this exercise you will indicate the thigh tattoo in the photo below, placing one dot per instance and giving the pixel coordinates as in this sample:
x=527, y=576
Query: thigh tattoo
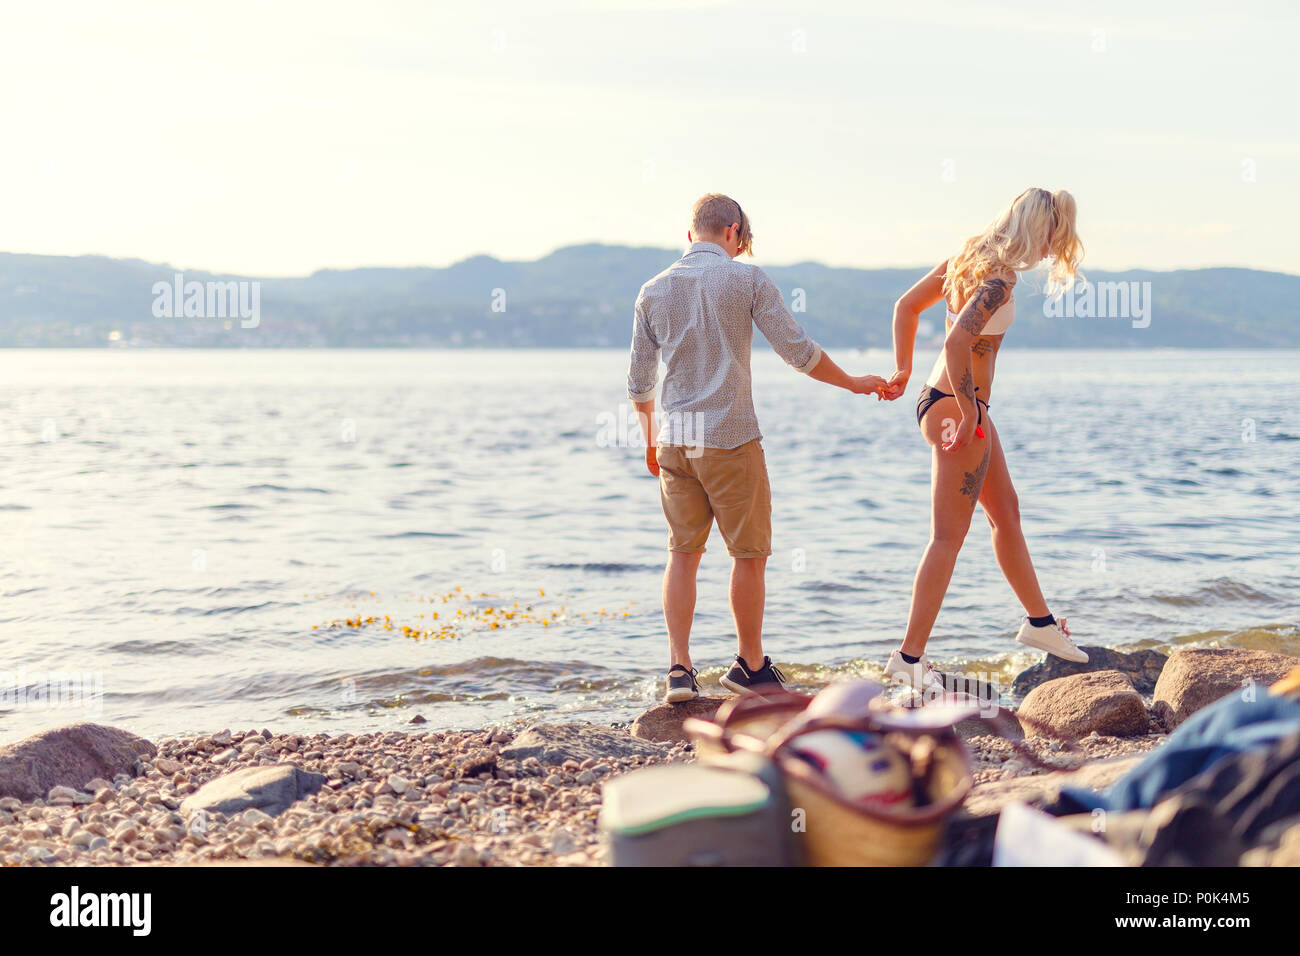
x=974, y=480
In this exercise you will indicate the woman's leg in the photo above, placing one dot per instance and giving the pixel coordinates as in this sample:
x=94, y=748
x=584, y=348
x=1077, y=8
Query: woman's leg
x=1002, y=508
x=955, y=482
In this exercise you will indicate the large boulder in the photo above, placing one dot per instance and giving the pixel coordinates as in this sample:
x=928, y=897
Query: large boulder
x=553, y=744
x=272, y=789
x=1141, y=667
x=1195, y=677
x=663, y=723
x=1075, y=706
x=69, y=756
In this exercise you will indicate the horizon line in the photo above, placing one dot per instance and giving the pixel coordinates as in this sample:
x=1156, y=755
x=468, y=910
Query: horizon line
x=577, y=245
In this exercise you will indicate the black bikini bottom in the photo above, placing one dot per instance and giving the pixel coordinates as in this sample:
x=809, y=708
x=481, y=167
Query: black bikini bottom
x=929, y=395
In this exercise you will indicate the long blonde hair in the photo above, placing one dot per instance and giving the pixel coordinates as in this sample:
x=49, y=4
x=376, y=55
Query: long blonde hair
x=1014, y=240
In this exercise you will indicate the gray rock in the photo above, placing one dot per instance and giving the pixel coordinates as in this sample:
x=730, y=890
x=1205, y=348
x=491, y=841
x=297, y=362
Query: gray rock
x=563, y=842
x=1198, y=676
x=68, y=756
x=270, y=789
x=663, y=722
x=1141, y=667
x=61, y=796
x=552, y=744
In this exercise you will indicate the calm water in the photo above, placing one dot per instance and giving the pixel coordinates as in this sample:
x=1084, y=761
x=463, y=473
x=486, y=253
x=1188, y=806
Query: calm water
x=194, y=529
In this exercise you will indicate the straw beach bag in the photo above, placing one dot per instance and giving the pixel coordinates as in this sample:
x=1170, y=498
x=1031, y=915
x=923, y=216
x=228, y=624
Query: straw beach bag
x=832, y=830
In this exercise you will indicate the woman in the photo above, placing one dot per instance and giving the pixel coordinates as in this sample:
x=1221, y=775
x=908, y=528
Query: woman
x=967, y=463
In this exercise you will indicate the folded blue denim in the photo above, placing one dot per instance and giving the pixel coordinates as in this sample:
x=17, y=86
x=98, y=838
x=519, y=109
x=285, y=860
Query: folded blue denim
x=1228, y=726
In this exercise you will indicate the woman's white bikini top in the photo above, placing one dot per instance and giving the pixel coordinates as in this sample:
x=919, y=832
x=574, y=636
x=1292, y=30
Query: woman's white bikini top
x=999, y=322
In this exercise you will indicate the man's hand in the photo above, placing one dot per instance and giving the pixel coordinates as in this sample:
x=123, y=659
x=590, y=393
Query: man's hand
x=866, y=384
x=965, y=434
x=896, y=385
x=652, y=460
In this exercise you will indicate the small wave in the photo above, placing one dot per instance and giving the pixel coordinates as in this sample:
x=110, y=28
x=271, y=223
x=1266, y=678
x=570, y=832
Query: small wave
x=420, y=534
x=604, y=567
x=1215, y=592
x=178, y=648
x=229, y=609
x=284, y=488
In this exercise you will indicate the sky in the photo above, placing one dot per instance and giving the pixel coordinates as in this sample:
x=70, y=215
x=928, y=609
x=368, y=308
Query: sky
x=269, y=138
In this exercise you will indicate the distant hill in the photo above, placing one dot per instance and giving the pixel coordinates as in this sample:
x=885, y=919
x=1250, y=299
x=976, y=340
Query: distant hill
x=582, y=296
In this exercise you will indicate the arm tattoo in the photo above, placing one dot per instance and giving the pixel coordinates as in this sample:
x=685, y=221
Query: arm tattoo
x=973, y=481
x=967, y=387
x=988, y=298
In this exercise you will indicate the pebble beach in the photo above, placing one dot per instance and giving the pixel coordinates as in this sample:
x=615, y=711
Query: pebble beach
x=394, y=799
x=514, y=796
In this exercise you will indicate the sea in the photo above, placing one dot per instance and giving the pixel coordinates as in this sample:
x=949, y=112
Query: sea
x=339, y=540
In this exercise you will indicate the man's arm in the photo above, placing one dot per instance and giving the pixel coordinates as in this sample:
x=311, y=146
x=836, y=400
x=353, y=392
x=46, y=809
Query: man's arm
x=988, y=298
x=791, y=342
x=642, y=376
x=827, y=371
x=645, y=415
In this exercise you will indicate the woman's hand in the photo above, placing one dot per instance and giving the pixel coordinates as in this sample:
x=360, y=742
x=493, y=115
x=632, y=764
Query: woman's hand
x=964, y=435
x=896, y=385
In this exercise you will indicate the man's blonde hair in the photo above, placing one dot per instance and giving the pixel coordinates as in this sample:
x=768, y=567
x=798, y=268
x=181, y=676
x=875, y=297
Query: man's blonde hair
x=714, y=213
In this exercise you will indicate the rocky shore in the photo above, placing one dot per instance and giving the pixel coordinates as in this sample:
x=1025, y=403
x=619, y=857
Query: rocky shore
x=99, y=796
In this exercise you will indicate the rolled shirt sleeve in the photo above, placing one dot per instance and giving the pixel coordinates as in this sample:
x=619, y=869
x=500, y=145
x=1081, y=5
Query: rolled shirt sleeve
x=643, y=373
x=783, y=333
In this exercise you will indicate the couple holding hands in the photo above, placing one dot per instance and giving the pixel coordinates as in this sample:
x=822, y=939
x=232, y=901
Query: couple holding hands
x=699, y=314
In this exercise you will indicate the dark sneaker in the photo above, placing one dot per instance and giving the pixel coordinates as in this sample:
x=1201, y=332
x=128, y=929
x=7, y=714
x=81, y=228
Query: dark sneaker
x=681, y=684
x=742, y=680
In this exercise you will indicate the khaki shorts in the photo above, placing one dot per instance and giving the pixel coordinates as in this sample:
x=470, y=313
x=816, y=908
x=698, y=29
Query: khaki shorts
x=726, y=484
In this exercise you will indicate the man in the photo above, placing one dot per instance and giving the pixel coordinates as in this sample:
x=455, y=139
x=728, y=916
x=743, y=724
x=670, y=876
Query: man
x=699, y=314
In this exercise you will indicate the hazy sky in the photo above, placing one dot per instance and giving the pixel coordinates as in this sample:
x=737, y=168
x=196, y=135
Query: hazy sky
x=278, y=138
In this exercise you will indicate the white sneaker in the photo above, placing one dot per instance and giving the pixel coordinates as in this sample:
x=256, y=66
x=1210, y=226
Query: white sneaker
x=1054, y=638
x=919, y=676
